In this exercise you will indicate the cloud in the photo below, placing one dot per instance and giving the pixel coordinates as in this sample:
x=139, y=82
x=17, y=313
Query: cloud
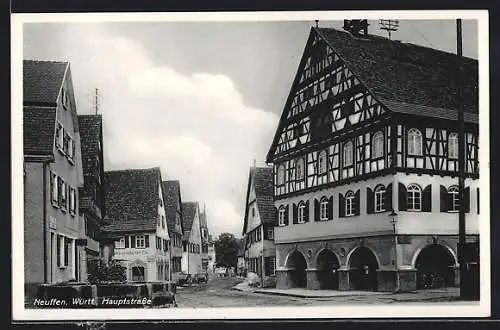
x=196, y=127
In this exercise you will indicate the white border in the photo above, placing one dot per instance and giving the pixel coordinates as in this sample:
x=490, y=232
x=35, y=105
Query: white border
x=459, y=309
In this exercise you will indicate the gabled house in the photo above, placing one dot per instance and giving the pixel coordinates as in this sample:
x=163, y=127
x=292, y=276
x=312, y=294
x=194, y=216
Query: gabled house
x=54, y=235
x=258, y=225
x=173, y=211
x=137, y=223
x=191, y=239
x=91, y=195
x=365, y=164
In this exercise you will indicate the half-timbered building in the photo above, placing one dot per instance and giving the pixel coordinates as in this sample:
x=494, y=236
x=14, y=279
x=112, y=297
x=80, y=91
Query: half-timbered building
x=365, y=162
x=258, y=225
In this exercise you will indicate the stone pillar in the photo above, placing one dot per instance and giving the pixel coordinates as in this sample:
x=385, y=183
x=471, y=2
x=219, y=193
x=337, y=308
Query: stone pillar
x=344, y=279
x=312, y=279
x=283, y=279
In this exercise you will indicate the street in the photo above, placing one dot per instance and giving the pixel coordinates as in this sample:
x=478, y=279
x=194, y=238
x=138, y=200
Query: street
x=219, y=292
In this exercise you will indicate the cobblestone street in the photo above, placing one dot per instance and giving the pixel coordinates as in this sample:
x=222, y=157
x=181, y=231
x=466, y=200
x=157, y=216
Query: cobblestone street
x=219, y=292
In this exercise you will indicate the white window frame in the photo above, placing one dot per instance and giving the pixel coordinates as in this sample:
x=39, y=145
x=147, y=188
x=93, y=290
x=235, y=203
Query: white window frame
x=413, y=194
x=270, y=233
x=349, y=204
x=348, y=154
x=281, y=217
x=301, y=213
x=120, y=244
x=323, y=209
x=63, y=197
x=415, y=142
x=140, y=239
x=72, y=200
x=322, y=162
x=300, y=169
x=378, y=145
x=55, y=187
x=455, y=199
x=280, y=175
x=453, y=146
x=379, y=199
x=61, y=250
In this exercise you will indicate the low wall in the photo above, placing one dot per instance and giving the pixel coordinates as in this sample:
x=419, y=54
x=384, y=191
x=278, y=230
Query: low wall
x=105, y=295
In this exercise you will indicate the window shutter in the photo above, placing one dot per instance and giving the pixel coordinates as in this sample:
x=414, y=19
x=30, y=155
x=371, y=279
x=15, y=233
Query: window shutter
x=294, y=213
x=388, y=197
x=426, y=199
x=341, y=206
x=369, y=200
x=357, y=199
x=477, y=196
x=266, y=236
x=132, y=241
x=402, y=197
x=287, y=208
x=443, y=199
x=127, y=241
x=306, y=210
x=66, y=251
x=467, y=199
x=58, y=239
x=330, y=208
x=316, y=210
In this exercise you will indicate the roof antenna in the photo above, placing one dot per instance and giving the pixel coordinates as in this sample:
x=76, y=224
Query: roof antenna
x=389, y=25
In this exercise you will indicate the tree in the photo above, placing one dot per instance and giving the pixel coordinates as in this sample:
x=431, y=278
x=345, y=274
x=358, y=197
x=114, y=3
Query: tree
x=102, y=273
x=226, y=250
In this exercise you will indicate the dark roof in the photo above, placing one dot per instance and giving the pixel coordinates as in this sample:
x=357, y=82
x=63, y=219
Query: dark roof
x=264, y=192
x=171, y=199
x=90, y=137
x=132, y=198
x=38, y=130
x=188, y=215
x=403, y=72
x=42, y=81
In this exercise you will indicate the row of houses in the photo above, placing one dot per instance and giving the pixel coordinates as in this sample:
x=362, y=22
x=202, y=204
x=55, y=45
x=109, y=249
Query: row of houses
x=360, y=191
x=76, y=214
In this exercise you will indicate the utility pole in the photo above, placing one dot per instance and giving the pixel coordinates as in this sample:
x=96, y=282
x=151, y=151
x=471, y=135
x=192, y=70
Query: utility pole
x=389, y=25
x=461, y=170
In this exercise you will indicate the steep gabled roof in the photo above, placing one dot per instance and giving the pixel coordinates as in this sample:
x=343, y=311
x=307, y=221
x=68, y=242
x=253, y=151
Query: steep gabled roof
x=42, y=81
x=38, y=130
x=188, y=216
x=90, y=136
x=132, y=198
x=172, y=199
x=262, y=178
x=404, y=72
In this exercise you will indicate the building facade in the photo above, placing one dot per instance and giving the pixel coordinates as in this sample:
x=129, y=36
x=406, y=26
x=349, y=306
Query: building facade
x=91, y=195
x=365, y=165
x=204, y=241
x=136, y=211
x=258, y=225
x=53, y=231
x=191, y=239
x=173, y=210
x=211, y=254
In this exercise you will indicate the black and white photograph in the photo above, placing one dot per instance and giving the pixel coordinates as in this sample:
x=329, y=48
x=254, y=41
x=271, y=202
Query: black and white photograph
x=250, y=165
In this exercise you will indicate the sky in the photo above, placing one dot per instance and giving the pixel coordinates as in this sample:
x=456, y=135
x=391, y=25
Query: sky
x=201, y=100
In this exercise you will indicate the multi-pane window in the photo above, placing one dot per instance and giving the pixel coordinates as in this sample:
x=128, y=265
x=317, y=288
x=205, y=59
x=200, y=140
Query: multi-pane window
x=281, y=216
x=68, y=145
x=453, y=145
x=281, y=175
x=378, y=145
x=270, y=233
x=350, y=203
x=454, y=198
x=120, y=244
x=322, y=162
x=64, y=245
x=60, y=136
x=414, y=142
x=302, y=213
x=299, y=167
x=53, y=188
x=140, y=241
x=61, y=188
x=348, y=154
x=380, y=199
x=323, y=209
x=414, y=197
x=165, y=245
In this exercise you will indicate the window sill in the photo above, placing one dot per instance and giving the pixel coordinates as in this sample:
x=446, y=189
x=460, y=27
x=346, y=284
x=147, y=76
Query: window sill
x=73, y=214
x=61, y=150
x=452, y=211
x=379, y=211
x=62, y=267
x=71, y=160
x=55, y=205
x=63, y=209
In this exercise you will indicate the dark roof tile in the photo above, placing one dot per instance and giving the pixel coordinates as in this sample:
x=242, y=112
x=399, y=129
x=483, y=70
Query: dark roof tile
x=42, y=81
x=38, y=130
x=172, y=201
x=90, y=136
x=188, y=215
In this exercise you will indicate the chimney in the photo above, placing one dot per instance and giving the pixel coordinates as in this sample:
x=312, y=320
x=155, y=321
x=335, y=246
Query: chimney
x=357, y=27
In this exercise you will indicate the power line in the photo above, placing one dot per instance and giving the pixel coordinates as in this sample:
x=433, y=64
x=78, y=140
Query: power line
x=421, y=35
